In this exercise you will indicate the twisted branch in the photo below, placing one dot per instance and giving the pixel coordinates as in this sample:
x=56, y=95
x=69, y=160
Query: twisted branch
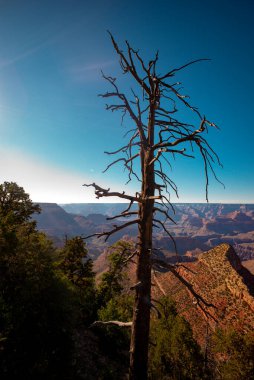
x=100, y=192
x=116, y=228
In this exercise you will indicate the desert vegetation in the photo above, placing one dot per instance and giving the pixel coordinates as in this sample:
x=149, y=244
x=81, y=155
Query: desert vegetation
x=50, y=300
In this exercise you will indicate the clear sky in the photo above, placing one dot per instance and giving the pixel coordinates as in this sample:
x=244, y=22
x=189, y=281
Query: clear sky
x=53, y=126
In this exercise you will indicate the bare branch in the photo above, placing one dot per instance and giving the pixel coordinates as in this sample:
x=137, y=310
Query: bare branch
x=183, y=139
x=138, y=285
x=175, y=151
x=157, y=310
x=180, y=265
x=125, y=105
x=128, y=66
x=158, y=283
x=160, y=263
x=129, y=207
x=164, y=212
x=116, y=228
x=153, y=197
x=129, y=258
x=100, y=192
x=124, y=148
x=172, y=72
x=125, y=162
x=197, y=302
x=167, y=232
x=108, y=323
x=123, y=214
x=166, y=180
x=156, y=157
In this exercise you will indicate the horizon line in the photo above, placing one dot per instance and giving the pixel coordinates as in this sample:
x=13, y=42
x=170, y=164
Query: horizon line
x=99, y=203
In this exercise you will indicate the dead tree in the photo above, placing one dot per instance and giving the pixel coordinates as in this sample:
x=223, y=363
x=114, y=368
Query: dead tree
x=156, y=136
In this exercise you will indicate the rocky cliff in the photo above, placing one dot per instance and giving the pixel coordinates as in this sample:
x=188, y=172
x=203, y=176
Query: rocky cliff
x=220, y=279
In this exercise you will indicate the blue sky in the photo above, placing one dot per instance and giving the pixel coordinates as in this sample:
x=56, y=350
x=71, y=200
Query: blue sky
x=53, y=126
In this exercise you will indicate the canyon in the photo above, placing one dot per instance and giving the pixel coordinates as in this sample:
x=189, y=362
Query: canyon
x=199, y=227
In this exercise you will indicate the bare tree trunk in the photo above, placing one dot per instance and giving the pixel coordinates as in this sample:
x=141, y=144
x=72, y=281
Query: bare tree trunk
x=163, y=136
x=141, y=313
